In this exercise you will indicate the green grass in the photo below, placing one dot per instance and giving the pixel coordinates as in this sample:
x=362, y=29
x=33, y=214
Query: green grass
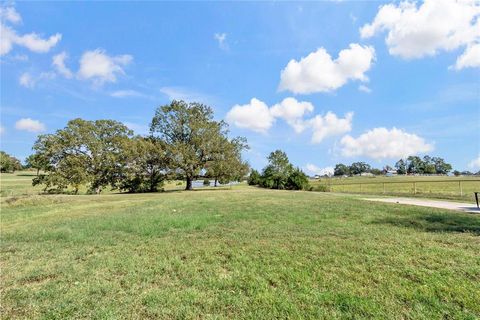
x=20, y=182
x=242, y=253
x=441, y=187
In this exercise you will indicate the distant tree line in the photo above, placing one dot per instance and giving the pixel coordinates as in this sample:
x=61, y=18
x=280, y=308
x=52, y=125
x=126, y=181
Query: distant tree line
x=9, y=163
x=427, y=165
x=279, y=174
x=410, y=165
x=185, y=142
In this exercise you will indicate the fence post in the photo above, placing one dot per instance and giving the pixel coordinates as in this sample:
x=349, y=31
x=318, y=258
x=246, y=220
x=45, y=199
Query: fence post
x=384, y=188
x=414, y=187
x=460, y=187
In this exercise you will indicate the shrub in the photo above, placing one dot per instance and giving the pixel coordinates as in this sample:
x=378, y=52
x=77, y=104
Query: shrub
x=297, y=180
x=254, y=179
x=321, y=188
x=206, y=182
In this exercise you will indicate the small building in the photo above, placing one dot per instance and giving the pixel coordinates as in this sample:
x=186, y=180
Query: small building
x=390, y=173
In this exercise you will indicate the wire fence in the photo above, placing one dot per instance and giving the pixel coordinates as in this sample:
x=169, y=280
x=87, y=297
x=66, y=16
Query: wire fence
x=459, y=187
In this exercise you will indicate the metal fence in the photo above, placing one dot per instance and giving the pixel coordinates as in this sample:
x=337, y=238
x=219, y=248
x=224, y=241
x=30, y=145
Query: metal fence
x=363, y=187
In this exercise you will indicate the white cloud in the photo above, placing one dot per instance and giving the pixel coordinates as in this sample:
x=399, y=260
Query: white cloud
x=10, y=14
x=222, y=40
x=6, y=40
x=382, y=143
x=26, y=80
x=475, y=163
x=30, y=125
x=126, y=94
x=364, y=88
x=434, y=26
x=314, y=170
x=31, y=41
x=292, y=111
x=35, y=43
x=329, y=125
x=469, y=59
x=255, y=116
x=99, y=67
x=318, y=72
x=58, y=61
x=2, y=130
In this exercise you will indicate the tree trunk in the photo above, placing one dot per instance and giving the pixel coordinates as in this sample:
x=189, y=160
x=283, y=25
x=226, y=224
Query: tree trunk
x=189, y=184
x=215, y=182
x=153, y=186
x=38, y=171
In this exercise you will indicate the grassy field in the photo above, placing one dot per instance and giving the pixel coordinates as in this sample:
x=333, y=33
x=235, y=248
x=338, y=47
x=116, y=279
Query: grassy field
x=242, y=253
x=425, y=187
x=20, y=184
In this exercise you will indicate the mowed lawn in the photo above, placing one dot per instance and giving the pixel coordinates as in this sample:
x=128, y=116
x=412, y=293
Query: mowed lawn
x=242, y=253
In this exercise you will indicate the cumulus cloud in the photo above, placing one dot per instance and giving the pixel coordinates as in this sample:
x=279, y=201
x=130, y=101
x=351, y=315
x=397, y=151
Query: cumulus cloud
x=99, y=67
x=222, y=40
x=475, y=163
x=58, y=62
x=292, y=112
x=255, y=116
x=469, y=59
x=35, y=43
x=318, y=72
x=433, y=26
x=32, y=41
x=329, y=125
x=314, y=170
x=10, y=14
x=30, y=125
x=382, y=143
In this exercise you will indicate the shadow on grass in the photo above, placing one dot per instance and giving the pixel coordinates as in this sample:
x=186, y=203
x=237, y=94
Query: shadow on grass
x=436, y=222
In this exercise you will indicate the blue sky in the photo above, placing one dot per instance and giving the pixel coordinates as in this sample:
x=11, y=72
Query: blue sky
x=393, y=91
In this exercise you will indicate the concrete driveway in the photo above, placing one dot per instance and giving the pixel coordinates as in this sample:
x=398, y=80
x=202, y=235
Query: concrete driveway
x=450, y=205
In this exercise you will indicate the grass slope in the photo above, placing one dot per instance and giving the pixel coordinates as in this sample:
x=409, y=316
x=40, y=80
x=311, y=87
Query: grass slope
x=241, y=253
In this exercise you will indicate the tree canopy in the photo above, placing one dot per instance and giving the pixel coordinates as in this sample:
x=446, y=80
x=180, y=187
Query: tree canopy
x=9, y=163
x=83, y=153
x=279, y=174
x=185, y=141
x=194, y=139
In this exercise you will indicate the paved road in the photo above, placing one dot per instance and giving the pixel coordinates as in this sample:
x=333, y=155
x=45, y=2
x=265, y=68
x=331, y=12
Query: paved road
x=465, y=207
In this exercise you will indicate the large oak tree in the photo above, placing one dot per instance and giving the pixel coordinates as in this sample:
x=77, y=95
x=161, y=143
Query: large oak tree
x=83, y=153
x=191, y=135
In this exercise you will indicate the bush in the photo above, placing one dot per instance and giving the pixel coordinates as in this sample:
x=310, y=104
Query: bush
x=297, y=180
x=206, y=182
x=279, y=174
x=321, y=188
x=254, y=178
